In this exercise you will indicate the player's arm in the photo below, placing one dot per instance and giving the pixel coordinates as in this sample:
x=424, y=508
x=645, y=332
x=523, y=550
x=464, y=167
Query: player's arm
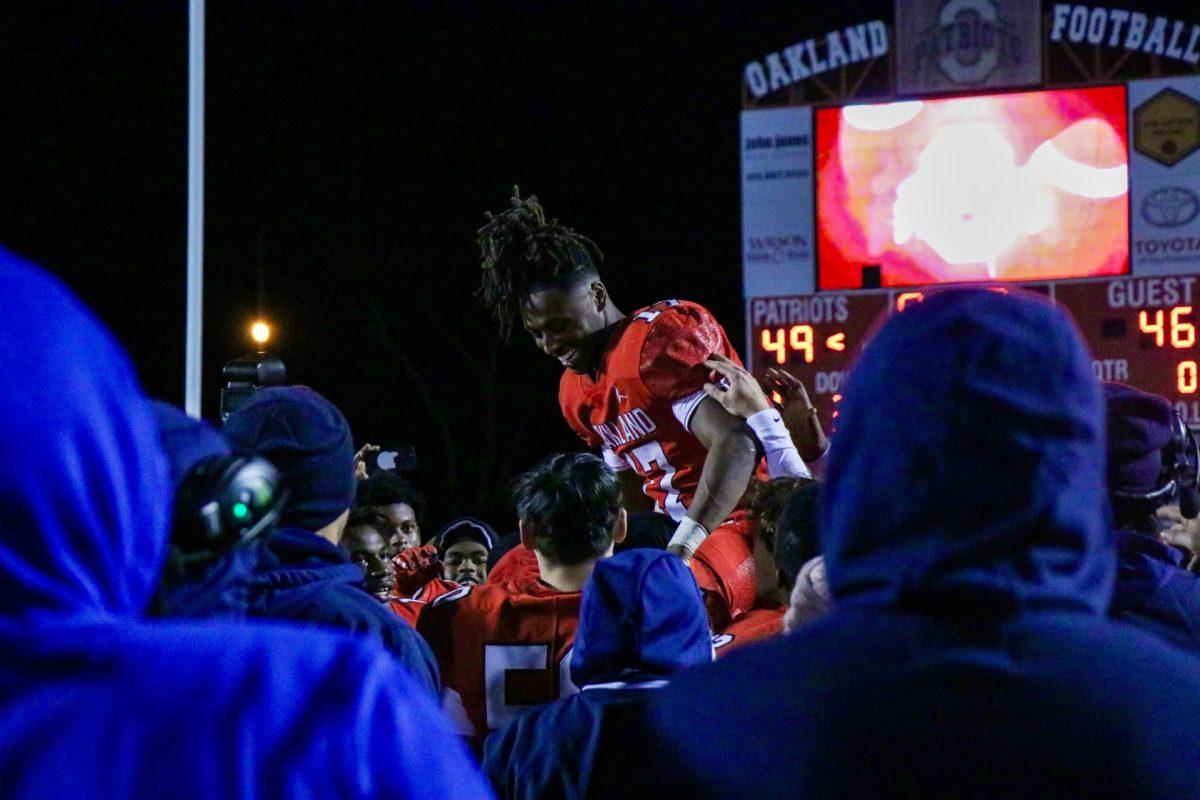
x=732, y=456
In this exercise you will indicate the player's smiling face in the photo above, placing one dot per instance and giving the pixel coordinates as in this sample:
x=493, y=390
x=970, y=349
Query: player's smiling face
x=564, y=323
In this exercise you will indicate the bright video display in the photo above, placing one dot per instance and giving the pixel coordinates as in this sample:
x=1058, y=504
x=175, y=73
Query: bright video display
x=1013, y=187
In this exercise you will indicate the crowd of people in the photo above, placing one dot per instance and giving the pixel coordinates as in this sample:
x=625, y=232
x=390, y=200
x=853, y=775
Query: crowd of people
x=983, y=586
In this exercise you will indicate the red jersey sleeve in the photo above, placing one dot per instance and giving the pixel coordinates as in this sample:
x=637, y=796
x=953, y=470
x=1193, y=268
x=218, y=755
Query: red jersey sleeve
x=682, y=335
x=406, y=609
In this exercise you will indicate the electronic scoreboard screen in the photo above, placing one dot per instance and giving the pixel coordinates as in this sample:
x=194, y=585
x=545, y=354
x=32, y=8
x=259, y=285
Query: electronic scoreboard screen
x=1009, y=187
x=1089, y=196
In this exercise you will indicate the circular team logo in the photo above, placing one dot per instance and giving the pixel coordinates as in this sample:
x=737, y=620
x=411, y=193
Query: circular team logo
x=974, y=26
x=1170, y=207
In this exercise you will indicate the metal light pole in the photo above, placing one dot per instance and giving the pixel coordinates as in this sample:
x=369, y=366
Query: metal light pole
x=193, y=362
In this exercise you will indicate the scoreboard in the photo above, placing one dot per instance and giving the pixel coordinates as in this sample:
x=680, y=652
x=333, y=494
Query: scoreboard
x=1087, y=195
x=1141, y=331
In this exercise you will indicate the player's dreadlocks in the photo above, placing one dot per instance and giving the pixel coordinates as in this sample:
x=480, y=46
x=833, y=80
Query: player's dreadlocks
x=519, y=251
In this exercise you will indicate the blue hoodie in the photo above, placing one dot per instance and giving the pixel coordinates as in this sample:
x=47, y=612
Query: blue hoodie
x=98, y=702
x=967, y=540
x=641, y=620
x=314, y=583
x=1155, y=591
x=291, y=574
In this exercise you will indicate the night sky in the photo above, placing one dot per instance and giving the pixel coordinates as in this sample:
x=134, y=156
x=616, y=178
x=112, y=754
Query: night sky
x=352, y=150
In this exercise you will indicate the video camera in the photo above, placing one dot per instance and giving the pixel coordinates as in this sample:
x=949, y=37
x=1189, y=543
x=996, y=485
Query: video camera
x=245, y=376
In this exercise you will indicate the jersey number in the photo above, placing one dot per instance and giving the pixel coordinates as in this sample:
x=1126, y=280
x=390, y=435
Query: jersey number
x=513, y=680
x=650, y=316
x=650, y=456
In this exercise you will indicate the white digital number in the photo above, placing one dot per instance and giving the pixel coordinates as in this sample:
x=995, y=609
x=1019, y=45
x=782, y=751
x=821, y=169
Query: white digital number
x=650, y=316
x=499, y=659
x=650, y=456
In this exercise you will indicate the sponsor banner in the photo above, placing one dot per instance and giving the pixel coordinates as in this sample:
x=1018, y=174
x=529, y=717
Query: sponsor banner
x=777, y=202
x=1164, y=164
x=950, y=45
x=1090, y=42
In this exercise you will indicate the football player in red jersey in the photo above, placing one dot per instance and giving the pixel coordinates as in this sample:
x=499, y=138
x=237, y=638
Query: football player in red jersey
x=503, y=647
x=634, y=383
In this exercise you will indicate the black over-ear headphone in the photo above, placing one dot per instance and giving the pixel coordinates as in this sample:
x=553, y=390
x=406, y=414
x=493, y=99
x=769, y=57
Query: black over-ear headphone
x=1180, y=474
x=226, y=501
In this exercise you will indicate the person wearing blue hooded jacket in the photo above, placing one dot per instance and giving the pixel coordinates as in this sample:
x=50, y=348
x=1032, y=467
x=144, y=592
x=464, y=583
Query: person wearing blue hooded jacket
x=970, y=556
x=96, y=701
x=301, y=574
x=641, y=620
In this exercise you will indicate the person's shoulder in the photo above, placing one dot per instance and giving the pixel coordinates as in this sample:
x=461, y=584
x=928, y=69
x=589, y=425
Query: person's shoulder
x=673, y=314
x=673, y=340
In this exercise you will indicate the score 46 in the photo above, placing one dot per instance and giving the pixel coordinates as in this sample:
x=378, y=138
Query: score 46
x=1182, y=334
x=797, y=339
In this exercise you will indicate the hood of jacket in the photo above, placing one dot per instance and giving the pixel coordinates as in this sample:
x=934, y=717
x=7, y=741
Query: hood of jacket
x=641, y=617
x=84, y=492
x=968, y=470
x=301, y=558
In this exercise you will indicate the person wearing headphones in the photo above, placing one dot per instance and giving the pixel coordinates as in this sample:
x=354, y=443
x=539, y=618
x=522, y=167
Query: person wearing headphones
x=1152, y=461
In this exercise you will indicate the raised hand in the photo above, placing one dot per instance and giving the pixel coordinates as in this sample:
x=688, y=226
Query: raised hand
x=360, y=460
x=416, y=567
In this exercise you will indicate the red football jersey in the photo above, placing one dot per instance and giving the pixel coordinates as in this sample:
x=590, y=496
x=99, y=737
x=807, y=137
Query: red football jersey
x=434, y=589
x=638, y=408
x=723, y=566
x=406, y=609
x=501, y=648
x=409, y=608
x=755, y=625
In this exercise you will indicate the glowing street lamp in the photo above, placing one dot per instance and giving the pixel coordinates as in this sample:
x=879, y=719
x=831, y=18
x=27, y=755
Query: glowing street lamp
x=260, y=332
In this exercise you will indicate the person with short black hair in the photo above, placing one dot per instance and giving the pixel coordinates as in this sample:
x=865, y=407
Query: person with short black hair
x=505, y=646
x=398, y=500
x=784, y=512
x=365, y=541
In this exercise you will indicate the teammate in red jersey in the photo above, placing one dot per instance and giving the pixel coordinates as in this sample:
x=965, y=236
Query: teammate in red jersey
x=505, y=647
x=634, y=384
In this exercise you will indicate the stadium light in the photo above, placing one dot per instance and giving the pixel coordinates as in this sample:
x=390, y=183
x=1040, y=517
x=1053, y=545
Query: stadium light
x=260, y=332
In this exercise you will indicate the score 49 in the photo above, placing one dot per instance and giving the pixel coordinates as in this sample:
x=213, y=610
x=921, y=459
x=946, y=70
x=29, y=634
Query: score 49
x=798, y=339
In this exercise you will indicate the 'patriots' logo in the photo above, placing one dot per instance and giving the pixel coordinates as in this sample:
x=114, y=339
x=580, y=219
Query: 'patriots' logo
x=621, y=398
